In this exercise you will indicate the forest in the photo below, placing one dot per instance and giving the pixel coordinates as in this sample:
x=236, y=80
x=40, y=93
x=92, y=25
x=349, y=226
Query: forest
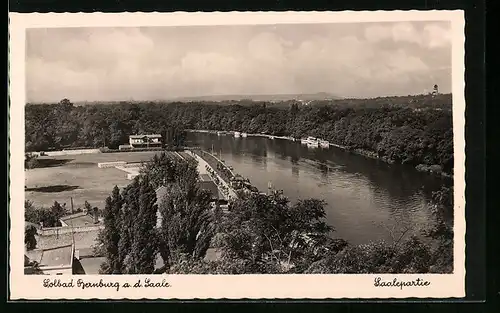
x=414, y=130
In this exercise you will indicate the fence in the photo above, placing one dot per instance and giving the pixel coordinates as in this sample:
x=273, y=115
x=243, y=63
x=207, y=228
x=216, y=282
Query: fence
x=107, y=150
x=131, y=176
x=71, y=152
x=111, y=164
x=222, y=184
x=134, y=164
x=50, y=231
x=71, y=216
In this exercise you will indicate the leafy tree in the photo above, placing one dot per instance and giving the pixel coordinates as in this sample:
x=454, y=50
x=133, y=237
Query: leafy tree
x=128, y=216
x=95, y=214
x=117, y=135
x=186, y=215
x=31, y=161
x=87, y=208
x=58, y=211
x=442, y=231
x=376, y=257
x=111, y=235
x=144, y=246
x=30, y=212
x=29, y=237
x=160, y=170
x=137, y=244
x=186, y=221
x=43, y=216
x=271, y=235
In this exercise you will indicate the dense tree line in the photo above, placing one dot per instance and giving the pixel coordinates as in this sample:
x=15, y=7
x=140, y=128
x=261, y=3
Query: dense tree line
x=64, y=125
x=259, y=234
x=413, y=130
x=44, y=217
x=51, y=217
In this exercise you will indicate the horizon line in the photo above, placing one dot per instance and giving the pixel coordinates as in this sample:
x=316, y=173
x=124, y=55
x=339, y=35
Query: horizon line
x=241, y=98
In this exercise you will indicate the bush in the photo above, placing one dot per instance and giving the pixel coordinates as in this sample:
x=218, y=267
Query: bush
x=412, y=256
x=43, y=216
x=29, y=237
x=31, y=161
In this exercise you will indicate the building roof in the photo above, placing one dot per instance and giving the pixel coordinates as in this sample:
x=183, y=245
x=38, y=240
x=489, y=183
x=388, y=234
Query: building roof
x=61, y=256
x=159, y=263
x=27, y=260
x=142, y=136
x=26, y=224
x=78, y=219
x=205, y=177
x=212, y=188
x=160, y=193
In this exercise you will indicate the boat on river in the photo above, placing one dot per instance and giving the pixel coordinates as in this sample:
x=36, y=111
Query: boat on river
x=237, y=134
x=313, y=144
x=310, y=141
x=324, y=144
x=244, y=134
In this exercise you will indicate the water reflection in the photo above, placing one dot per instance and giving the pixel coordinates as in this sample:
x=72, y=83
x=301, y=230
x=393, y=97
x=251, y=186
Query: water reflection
x=364, y=196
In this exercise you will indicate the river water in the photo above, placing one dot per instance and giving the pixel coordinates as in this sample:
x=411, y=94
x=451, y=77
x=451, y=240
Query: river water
x=366, y=199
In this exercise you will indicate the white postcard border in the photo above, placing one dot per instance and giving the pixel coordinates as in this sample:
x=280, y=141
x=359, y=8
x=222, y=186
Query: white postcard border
x=356, y=286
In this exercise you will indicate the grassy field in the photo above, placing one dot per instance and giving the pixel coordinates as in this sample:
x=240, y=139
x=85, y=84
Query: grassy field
x=79, y=177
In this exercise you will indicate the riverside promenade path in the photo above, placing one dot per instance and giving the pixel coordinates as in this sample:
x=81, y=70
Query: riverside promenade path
x=212, y=161
x=222, y=178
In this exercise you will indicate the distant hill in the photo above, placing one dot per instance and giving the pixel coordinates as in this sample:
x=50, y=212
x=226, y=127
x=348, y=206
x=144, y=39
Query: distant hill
x=322, y=98
x=278, y=97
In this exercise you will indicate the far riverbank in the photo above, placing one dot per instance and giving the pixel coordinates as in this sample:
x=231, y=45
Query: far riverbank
x=431, y=169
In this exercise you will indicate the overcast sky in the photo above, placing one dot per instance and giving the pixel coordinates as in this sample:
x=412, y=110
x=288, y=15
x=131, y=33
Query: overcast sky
x=351, y=60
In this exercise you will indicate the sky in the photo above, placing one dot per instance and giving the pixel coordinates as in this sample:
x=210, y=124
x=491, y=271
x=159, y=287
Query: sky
x=157, y=63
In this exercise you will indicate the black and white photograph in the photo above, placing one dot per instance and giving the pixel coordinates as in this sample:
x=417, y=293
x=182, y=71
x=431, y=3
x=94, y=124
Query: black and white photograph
x=280, y=148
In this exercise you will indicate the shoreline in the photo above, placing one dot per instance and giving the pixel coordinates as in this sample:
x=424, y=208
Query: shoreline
x=429, y=169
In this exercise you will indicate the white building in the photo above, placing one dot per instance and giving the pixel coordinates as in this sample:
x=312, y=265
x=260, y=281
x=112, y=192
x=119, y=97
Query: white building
x=145, y=141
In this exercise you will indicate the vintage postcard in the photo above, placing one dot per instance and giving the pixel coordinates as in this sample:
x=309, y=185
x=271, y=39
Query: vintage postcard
x=292, y=155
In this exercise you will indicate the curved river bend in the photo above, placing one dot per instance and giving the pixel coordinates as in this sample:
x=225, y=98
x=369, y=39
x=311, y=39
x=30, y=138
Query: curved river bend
x=365, y=198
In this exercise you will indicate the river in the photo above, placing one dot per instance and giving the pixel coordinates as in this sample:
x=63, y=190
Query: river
x=365, y=198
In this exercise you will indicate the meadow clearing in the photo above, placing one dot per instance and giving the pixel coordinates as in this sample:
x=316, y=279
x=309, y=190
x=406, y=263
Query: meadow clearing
x=78, y=176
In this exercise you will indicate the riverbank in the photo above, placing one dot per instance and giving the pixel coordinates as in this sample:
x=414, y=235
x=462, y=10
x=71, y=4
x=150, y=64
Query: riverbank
x=430, y=169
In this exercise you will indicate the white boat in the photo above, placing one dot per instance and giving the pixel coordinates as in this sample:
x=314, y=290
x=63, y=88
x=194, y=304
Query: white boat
x=237, y=134
x=313, y=144
x=310, y=141
x=244, y=134
x=324, y=144
x=271, y=137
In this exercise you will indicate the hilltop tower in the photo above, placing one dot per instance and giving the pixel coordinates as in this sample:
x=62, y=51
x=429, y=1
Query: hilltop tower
x=435, y=90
